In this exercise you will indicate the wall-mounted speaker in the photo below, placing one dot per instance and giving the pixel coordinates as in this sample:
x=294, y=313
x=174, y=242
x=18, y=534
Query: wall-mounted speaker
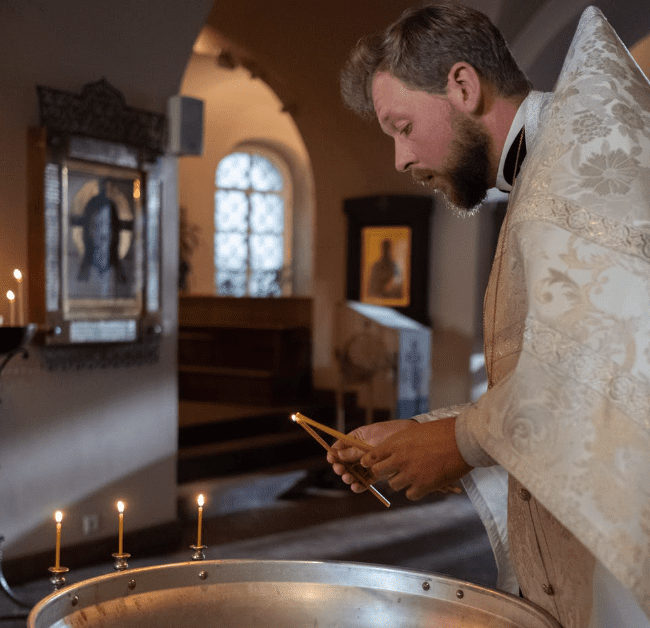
x=185, y=125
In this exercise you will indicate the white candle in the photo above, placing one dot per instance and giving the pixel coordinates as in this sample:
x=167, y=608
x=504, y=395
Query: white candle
x=120, y=537
x=21, y=297
x=12, y=307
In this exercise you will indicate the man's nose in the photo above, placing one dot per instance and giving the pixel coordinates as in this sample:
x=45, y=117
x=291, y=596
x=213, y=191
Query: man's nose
x=404, y=158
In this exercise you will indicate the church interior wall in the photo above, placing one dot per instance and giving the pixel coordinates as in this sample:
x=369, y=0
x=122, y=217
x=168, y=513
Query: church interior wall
x=80, y=440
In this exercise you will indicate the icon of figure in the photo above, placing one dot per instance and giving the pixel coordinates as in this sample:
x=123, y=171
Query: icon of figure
x=385, y=275
x=101, y=233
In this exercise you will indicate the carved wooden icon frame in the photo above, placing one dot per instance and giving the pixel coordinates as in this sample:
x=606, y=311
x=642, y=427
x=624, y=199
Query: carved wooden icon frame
x=95, y=179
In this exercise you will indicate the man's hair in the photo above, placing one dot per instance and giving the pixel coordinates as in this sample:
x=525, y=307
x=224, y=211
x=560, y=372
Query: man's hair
x=421, y=47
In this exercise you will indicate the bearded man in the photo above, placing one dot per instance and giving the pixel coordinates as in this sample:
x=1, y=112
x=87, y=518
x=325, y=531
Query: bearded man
x=566, y=312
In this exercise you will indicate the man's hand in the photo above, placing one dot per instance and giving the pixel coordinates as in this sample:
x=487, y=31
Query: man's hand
x=372, y=434
x=420, y=459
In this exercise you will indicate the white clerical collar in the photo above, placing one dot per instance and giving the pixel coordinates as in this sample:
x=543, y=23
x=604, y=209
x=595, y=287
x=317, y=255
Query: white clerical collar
x=527, y=116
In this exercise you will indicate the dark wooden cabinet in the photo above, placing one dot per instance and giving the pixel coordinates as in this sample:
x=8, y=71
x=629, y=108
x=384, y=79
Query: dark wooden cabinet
x=244, y=365
x=266, y=366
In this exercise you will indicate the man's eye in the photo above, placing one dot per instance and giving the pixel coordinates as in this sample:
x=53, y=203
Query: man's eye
x=405, y=130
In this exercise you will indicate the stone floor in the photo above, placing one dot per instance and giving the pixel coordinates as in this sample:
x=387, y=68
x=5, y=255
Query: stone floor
x=302, y=515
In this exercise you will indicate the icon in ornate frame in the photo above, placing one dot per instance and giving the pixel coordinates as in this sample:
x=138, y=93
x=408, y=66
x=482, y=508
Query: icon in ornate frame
x=386, y=265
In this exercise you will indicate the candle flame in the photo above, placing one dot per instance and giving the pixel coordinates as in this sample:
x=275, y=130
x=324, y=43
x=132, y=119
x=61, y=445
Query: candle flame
x=200, y=500
x=10, y=295
x=120, y=506
x=18, y=275
x=58, y=516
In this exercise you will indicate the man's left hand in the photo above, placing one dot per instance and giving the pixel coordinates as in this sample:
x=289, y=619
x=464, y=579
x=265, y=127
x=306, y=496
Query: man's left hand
x=421, y=459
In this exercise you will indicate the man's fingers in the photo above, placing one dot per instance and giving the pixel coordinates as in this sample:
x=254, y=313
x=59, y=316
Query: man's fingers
x=417, y=492
x=381, y=467
x=355, y=485
x=372, y=458
x=350, y=472
x=349, y=454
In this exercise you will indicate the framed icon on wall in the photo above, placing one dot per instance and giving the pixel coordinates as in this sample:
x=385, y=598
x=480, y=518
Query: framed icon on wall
x=386, y=265
x=388, y=252
x=95, y=192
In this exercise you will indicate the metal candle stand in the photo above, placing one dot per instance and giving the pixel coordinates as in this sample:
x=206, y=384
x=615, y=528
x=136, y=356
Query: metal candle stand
x=121, y=561
x=58, y=576
x=198, y=554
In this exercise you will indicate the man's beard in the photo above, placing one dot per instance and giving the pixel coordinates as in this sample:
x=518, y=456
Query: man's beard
x=469, y=169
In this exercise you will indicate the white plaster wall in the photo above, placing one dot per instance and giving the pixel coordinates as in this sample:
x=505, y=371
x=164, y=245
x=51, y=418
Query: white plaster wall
x=237, y=109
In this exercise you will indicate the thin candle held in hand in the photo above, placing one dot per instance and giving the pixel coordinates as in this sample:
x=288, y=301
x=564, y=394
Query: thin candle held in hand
x=200, y=501
x=58, y=517
x=120, y=537
x=302, y=420
x=350, y=440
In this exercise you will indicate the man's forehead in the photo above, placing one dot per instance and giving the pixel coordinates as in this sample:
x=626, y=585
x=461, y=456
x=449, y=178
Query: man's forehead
x=384, y=83
x=393, y=99
x=387, y=93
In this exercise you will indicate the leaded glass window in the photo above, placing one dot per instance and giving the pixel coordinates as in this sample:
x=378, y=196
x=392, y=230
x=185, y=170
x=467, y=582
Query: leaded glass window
x=252, y=216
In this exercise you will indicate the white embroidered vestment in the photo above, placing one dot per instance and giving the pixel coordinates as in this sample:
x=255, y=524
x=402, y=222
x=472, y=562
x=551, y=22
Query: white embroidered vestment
x=567, y=318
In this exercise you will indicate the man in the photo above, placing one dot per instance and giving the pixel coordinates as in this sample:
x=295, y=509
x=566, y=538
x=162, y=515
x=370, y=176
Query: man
x=567, y=309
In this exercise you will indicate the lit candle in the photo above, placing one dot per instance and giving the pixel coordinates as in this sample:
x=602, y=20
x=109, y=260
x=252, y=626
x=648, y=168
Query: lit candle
x=200, y=501
x=120, y=542
x=21, y=298
x=58, y=517
x=12, y=307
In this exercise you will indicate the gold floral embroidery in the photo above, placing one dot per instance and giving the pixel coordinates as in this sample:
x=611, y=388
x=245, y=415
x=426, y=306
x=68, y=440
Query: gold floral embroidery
x=614, y=69
x=588, y=126
x=586, y=224
x=631, y=121
x=590, y=368
x=609, y=172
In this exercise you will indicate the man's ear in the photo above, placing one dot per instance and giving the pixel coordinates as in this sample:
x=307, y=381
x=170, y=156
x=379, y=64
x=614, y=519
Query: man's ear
x=464, y=89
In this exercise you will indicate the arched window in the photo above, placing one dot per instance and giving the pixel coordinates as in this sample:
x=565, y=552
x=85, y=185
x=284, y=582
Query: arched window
x=252, y=241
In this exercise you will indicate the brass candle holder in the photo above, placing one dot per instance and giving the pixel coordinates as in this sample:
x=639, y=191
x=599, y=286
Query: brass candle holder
x=199, y=553
x=121, y=561
x=58, y=576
